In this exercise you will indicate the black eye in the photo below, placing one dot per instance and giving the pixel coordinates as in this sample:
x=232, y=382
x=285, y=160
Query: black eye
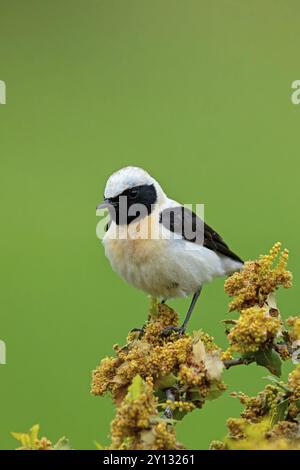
x=133, y=193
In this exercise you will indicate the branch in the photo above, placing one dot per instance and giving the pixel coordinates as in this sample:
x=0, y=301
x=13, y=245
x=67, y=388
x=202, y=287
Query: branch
x=237, y=362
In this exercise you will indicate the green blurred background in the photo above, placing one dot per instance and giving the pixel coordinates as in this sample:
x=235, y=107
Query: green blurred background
x=196, y=92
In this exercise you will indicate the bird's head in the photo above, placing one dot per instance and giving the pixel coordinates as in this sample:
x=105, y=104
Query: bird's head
x=131, y=193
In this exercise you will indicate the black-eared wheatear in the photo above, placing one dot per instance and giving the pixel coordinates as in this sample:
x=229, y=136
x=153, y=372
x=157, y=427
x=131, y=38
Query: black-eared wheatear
x=158, y=245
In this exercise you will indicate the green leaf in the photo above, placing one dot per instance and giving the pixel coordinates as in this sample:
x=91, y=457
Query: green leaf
x=248, y=358
x=194, y=395
x=166, y=381
x=62, y=444
x=280, y=412
x=33, y=434
x=98, y=446
x=278, y=383
x=135, y=389
x=214, y=391
x=270, y=359
x=23, y=438
x=179, y=415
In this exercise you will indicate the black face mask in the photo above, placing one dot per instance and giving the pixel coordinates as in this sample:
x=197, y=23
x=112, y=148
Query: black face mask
x=133, y=204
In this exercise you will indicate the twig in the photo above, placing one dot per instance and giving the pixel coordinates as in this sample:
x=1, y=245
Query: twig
x=237, y=362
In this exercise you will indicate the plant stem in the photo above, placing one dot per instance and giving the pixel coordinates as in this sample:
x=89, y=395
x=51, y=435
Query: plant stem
x=237, y=362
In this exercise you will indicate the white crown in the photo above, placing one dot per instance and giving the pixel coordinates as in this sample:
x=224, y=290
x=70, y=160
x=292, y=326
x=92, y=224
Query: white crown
x=126, y=178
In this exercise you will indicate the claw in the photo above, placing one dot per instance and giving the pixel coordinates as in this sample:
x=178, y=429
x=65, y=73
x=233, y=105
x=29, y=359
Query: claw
x=168, y=414
x=140, y=331
x=170, y=329
x=137, y=330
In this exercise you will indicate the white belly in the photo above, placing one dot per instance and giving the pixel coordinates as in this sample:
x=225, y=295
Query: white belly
x=166, y=268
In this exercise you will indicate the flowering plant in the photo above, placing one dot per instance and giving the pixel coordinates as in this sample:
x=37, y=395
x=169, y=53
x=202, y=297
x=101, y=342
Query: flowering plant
x=154, y=380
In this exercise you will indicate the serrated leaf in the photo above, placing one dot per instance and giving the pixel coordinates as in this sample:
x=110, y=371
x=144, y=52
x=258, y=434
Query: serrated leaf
x=270, y=359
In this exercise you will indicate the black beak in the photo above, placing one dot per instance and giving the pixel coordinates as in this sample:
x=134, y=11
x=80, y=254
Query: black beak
x=104, y=205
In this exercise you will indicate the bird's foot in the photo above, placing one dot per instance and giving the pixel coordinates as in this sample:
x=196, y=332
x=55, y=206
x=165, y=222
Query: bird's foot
x=140, y=331
x=168, y=413
x=135, y=330
x=170, y=395
x=170, y=329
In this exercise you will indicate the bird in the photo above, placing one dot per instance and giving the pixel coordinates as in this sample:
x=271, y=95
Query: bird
x=170, y=262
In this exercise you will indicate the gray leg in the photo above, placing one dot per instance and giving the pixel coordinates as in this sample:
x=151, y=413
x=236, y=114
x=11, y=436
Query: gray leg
x=181, y=329
x=191, y=308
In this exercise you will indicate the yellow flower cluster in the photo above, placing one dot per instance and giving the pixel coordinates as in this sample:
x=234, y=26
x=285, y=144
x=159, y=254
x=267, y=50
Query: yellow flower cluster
x=254, y=328
x=187, y=361
x=188, y=367
x=294, y=382
x=268, y=421
x=258, y=279
x=228, y=354
x=30, y=441
x=165, y=438
x=284, y=435
x=186, y=406
x=260, y=436
x=43, y=444
x=253, y=289
x=294, y=323
x=137, y=425
x=257, y=407
x=178, y=373
x=191, y=376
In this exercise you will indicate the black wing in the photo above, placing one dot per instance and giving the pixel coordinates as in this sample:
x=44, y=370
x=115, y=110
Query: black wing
x=181, y=220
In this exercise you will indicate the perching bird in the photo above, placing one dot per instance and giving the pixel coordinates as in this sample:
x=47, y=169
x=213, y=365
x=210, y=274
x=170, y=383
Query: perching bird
x=167, y=263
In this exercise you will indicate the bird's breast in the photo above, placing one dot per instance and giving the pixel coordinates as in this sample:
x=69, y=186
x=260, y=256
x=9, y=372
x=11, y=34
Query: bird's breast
x=161, y=266
x=139, y=259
